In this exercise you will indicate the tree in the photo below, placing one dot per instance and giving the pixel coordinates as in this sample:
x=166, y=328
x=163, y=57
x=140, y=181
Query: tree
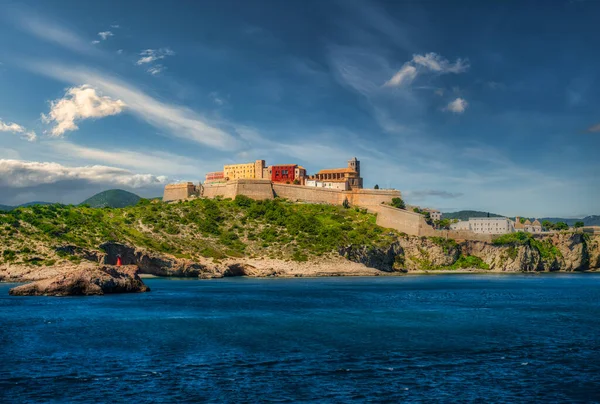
x=398, y=203
x=376, y=186
x=547, y=224
x=296, y=181
x=561, y=226
x=577, y=225
x=346, y=204
x=443, y=224
x=522, y=220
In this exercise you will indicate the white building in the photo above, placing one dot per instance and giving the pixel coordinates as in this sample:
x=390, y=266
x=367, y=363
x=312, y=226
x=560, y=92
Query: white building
x=486, y=225
x=434, y=214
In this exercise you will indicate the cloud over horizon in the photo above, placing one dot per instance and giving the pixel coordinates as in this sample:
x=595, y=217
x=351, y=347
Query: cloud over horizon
x=430, y=62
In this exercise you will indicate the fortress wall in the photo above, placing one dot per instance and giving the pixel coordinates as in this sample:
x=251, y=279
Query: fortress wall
x=255, y=189
x=309, y=194
x=372, y=198
x=224, y=190
x=175, y=192
x=401, y=220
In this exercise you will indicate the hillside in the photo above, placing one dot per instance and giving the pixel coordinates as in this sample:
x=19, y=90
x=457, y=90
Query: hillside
x=216, y=238
x=466, y=214
x=113, y=198
x=7, y=207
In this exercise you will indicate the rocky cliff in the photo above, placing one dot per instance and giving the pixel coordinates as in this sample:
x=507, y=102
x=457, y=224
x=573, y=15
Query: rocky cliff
x=557, y=252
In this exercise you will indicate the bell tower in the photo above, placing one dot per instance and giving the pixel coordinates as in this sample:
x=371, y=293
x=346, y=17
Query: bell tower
x=354, y=164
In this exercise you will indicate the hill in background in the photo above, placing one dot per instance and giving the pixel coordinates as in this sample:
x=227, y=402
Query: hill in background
x=113, y=198
x=466, y=214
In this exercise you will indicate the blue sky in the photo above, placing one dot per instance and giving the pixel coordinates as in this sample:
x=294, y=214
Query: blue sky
x=461, y=105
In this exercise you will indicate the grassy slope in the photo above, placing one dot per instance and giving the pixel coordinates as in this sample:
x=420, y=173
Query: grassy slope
x=207, y=228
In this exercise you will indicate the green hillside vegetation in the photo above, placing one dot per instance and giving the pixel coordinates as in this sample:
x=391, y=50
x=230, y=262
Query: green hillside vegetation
x=191, y=229
x=113, y=198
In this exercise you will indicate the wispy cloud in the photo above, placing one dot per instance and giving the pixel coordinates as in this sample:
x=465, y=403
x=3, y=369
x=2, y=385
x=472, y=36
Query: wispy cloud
x=216, y=98
x=79, y=103
x=105, y=35
x=177, y=120
x=18, y=129
x=430, y=62
x=458, y=106
x=156, y=69
x=148, y=160
x=52, y=32
x=152, y=55
x=434, y=193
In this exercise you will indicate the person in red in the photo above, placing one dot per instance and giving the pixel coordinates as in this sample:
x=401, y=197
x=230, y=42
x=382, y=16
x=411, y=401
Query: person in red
x=119, y=261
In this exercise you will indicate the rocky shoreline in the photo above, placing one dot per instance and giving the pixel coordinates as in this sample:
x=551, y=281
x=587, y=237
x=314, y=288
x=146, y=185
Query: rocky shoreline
x=96, y=273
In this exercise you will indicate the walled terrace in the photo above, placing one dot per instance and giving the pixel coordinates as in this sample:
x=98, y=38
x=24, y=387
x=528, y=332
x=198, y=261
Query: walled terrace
x=375, y=200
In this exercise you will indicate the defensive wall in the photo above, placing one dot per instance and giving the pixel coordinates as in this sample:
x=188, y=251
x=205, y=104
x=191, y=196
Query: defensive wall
x=414, y=224
x=375, y=200
x=176, y=192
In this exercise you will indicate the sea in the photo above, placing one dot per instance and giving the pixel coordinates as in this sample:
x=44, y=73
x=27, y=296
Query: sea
x=435, y=339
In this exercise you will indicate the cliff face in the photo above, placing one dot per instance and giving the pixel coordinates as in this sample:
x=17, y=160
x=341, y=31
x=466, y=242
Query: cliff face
x=559, y=252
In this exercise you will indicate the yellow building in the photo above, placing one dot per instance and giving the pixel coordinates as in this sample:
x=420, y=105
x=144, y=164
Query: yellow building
x=244, y=171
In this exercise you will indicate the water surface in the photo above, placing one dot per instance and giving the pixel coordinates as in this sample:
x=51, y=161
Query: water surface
x=424, y=338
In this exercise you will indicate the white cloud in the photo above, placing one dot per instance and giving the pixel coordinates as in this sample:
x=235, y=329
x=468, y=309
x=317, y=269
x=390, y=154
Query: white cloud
x=437, y=63
x=105, y=35
x=154, y=70
x=80, y=103
x=22, y=174
x=152, y=55
x=120, y=51
x=458, y=106
x=15, y=128
x=179, y=121
x=404, y=76
x=95, y=42
x=116, y=26
x=430, y=62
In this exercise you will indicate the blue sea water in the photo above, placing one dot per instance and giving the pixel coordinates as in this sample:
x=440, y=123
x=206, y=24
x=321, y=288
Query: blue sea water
x=443, y=338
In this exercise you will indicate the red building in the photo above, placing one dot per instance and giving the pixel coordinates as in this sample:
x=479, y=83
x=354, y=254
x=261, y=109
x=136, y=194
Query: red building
x=285, y=174
x=216, y=176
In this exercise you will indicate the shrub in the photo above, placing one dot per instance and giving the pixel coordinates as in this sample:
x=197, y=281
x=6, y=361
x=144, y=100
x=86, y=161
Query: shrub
x=398, y=203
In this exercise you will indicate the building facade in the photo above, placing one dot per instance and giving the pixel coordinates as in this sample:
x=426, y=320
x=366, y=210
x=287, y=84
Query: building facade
x=244, y=171
x=285, y=174
x=215, y=176
x=433, y=214
x=485, y=225
x=349, y=175
x=527, y=226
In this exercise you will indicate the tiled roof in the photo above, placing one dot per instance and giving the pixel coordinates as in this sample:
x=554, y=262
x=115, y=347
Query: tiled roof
x=337, y=170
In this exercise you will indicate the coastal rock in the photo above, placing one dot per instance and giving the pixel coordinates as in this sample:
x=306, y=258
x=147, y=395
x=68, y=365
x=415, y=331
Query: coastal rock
x=382, y=258
x=86, y=281
x=505, y=257
x=422, y=253
x=593, y=244
x=573, y=249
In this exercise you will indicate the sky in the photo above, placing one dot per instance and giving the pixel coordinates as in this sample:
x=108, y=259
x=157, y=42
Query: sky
x=492, y=106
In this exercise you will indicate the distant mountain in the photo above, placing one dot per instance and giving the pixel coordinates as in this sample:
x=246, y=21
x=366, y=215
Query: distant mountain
x=113, y=198
x=466, y=214
x=593, y=220
x=8, y=207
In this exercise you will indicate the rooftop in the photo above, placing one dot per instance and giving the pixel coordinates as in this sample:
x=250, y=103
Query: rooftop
x=337, y=170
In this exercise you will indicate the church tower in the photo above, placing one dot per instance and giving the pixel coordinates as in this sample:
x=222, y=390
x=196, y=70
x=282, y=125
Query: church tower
x=354, y=164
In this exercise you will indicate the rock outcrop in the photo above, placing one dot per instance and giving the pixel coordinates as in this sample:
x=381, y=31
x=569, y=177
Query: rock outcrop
x=382, y=258
x=89, y=280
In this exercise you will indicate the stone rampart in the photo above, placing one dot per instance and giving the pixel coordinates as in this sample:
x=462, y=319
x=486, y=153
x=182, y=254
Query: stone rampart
x=297, y=193
x=402, y=220
x=414, y=224
x=176, y=192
